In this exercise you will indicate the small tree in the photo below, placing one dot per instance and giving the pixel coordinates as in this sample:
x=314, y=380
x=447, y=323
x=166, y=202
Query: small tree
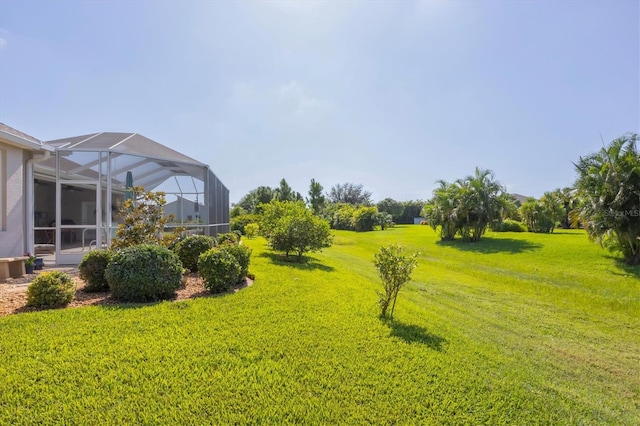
x=144, y=221
x=291, y=228
x=395, y=268
x=251, y=230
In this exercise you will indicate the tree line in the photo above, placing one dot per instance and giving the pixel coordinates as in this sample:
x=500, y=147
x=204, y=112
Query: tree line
x=605, y=201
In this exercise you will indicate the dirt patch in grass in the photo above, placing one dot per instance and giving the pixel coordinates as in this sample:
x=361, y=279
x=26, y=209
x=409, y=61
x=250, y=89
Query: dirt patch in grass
x=13, y=293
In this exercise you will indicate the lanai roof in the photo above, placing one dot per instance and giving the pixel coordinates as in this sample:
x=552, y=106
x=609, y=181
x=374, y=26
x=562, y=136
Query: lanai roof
x=150, y=162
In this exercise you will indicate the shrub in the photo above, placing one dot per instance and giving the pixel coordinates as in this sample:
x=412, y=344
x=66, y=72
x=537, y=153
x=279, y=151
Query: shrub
x=242, y=254
x=92, y=270
x=510, y=225
x=251, y=230
x=239, y=223
x=291, y=228
x=229, y=237
x=53, y=289
x=219, y=269
x=191, y=247
x=144, y=273
x=394, y=268
x=364, y=219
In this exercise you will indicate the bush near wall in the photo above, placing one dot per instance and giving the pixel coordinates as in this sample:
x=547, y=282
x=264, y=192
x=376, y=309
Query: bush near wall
x=92, y=269
x=144, y=273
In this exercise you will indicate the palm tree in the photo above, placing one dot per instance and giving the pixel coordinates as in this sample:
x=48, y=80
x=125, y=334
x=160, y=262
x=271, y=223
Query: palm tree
x=438, y=211
x=480, y=203
x=466, y=206
x=608, y=185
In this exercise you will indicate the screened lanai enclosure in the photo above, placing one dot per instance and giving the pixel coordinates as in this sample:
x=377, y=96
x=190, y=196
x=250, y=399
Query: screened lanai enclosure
x=78, y=191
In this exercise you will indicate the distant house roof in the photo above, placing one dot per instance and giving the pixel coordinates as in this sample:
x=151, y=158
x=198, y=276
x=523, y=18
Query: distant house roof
x=21, y=139
x=520, y=198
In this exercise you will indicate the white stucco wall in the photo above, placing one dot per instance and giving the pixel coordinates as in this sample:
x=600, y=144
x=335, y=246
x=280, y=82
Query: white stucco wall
x=12, y=234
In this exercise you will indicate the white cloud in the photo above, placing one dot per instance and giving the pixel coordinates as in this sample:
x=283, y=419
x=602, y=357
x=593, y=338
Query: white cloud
x=3, y=43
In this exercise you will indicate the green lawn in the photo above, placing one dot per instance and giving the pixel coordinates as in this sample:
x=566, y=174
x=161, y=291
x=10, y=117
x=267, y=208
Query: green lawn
x=517, y=329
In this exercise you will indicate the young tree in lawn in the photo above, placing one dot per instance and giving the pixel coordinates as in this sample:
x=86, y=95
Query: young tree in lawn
x=395, y=268
x=316, y=199
x=608, y=185
x=291, y=228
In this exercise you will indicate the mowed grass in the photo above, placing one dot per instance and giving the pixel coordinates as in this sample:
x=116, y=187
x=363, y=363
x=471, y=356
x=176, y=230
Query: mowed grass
x=516, y=329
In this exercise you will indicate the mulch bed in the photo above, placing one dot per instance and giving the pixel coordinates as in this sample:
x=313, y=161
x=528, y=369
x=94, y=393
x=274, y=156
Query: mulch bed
x=13, y=293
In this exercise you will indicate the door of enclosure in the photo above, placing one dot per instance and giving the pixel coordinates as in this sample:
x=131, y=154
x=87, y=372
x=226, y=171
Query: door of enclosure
x=78, y=220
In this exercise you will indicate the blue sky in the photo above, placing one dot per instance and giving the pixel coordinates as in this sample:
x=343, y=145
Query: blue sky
x=393, y=95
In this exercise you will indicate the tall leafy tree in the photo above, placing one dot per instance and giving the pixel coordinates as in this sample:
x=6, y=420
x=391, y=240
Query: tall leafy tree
x=349, y=193
x=255, y=197
x=412, y=209
x=316, y=198
x=391, y=206
x=608, y=186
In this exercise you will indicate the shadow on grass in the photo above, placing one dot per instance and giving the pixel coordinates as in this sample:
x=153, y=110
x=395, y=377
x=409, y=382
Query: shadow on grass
x=562, y=231
x=412, y=333
x=625, y=270
x=308, y=264
x=488, y=245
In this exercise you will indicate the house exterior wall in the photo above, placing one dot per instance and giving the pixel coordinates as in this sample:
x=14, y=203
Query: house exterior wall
x=12, y=177
x=186, y=213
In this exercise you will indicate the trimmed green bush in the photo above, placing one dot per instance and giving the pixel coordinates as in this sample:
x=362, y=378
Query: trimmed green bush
x=53, y=289
x=144, y=273
x=191, y=247
x=92, y=270
x=219, y=269
x=510, y=225
x=242, y=254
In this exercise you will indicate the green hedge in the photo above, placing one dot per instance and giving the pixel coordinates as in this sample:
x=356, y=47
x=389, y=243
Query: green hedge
x=92, y=269
x=191, y=247
x=144, y=273
x=219, y=269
